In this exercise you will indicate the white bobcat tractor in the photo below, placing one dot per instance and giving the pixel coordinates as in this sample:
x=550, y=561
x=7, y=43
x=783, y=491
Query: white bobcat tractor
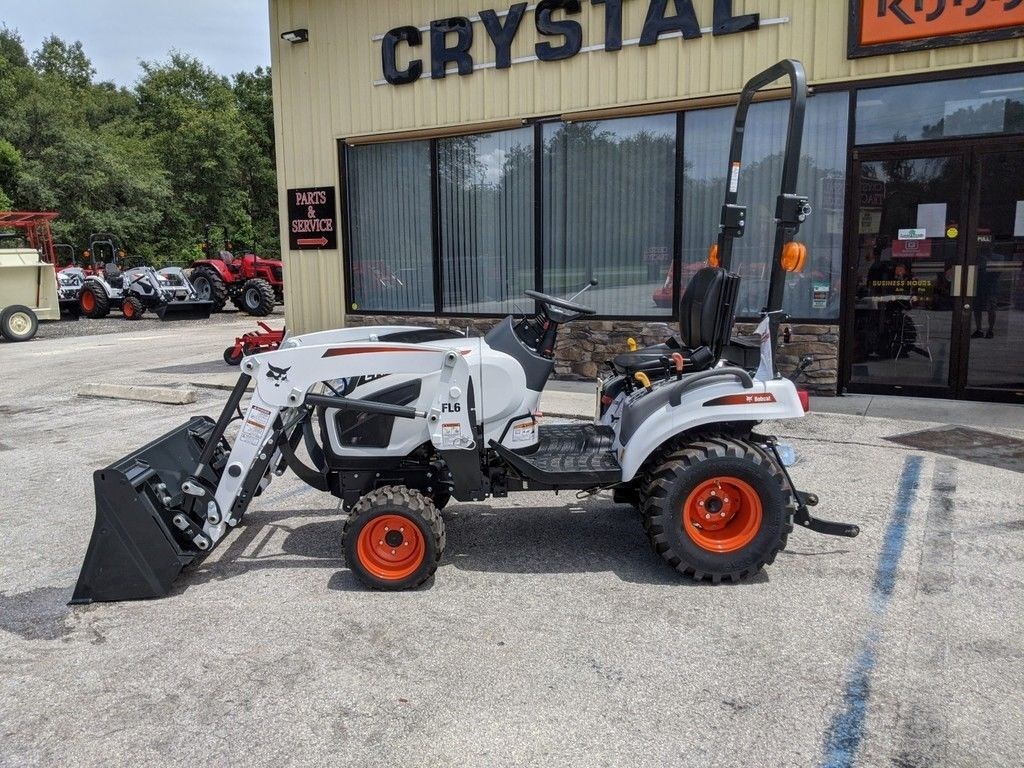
x=138, y=289
x=396, y=421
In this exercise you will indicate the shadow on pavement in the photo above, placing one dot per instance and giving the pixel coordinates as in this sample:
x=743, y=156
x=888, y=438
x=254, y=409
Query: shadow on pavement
x=571, y=539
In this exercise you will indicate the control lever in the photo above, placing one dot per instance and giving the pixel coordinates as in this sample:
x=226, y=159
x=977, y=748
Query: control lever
x=587, y=287
x=680, y=363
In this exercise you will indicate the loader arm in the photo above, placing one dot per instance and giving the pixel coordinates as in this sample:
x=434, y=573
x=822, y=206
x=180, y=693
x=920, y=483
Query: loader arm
x=168, y=505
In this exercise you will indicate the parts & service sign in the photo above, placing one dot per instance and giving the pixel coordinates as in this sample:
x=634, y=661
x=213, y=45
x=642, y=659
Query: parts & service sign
x=312, y=219
x=880, y=27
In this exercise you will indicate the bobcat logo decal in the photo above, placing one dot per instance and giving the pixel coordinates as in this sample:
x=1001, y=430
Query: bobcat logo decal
x=278, y=375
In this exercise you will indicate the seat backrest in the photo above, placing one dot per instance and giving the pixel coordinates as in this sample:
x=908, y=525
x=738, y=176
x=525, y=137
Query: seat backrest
x=707, y=309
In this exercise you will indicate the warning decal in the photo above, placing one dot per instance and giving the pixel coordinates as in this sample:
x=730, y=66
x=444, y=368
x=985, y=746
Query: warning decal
x=451, y=435
x=255, y=426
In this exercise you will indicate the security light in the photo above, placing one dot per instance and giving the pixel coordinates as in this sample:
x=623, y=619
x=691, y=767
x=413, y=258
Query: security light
x=296, y=36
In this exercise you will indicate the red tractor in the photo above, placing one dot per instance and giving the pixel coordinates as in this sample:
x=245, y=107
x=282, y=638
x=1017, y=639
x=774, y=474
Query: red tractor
x=253, y=284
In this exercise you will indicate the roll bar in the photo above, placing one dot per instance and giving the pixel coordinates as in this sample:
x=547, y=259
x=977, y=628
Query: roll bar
x=791, y=209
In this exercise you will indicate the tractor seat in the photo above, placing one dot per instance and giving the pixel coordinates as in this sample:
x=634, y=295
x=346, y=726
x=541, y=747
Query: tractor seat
x=112, y=275
x=706, y=314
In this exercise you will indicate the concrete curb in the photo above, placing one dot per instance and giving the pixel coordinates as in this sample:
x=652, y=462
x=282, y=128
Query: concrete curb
x=163, y=395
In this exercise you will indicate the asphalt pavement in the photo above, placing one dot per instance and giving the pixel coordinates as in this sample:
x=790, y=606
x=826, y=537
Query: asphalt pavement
x=552, y=635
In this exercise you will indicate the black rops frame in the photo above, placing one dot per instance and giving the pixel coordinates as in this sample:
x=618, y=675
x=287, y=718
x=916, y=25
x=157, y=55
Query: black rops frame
x=791, y=209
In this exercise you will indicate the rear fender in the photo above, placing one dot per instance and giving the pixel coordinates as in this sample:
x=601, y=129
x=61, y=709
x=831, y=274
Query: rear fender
x=721, y=402
x=217, y=266
x=103, y=284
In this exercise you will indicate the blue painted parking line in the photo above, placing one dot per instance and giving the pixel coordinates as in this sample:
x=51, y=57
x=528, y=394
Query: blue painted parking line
x=847, y=728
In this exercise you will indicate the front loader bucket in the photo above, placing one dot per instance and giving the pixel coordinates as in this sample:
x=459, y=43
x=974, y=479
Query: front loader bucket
x=136, y=552
x=185, y=310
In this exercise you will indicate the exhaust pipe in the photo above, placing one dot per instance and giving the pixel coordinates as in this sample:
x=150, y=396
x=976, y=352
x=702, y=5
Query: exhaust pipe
x=147, y=529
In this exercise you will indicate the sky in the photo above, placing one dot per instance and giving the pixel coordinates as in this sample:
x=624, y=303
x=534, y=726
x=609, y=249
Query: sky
x=229, y=36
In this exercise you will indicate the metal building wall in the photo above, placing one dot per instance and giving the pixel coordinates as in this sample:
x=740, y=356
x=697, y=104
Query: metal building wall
x=324, y=90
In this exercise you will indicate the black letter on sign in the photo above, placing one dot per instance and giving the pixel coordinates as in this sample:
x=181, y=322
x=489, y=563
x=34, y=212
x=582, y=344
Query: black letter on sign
x=612, y=23
x=502, y=36
x=684, y=21
x=440, y=55
x=392, y=73
x=894, y=6
x=570, y=30
x=727, y=24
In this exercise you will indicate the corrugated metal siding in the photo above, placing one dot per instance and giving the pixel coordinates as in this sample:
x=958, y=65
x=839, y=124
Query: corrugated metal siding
x=324, y=90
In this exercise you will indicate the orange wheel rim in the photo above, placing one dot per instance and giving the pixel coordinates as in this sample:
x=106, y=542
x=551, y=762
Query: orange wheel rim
x=88, y=301
x=391, y=547
x=129, y=310
x=723, y=514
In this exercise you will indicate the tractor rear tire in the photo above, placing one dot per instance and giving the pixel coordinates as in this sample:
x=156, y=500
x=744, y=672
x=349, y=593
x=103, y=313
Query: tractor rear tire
x=94, y=302
x=133, y=308
x=256, y=298
x=210, y=286
x=18, y=323
x=718, y=509
x=393, y=538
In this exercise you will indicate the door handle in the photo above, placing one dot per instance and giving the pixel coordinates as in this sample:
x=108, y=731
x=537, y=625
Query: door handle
x=958, y=273
x=972, y=281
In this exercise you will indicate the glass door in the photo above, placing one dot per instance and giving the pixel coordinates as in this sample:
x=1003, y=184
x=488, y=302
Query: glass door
x=905, y=272
x=993, y=305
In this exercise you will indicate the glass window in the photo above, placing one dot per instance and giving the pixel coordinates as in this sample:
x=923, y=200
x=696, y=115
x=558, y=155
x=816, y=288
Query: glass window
x=486, y=211
x=609, y=194
x=390, y=267
x=814, y=293
x=978, y=105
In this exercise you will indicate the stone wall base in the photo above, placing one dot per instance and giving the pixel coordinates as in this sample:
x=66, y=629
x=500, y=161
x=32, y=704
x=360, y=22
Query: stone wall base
x=584, y=347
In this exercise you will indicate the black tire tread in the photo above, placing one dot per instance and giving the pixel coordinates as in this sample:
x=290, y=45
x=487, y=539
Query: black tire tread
x=659, y=486
x=137, y=305
x=102, y=308
x=405, y=500
x=218, y=288
x=5, y=318
x=267, y=299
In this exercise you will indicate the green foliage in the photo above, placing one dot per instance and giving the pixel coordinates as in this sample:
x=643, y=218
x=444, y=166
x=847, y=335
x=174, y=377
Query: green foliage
x=186, y=148
x=64, y=61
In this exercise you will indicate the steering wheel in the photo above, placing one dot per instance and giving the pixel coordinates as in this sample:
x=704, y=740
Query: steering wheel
x=569, y=309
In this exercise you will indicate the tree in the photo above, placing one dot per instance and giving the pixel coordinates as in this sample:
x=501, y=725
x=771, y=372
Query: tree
x=255, y=102
x=12, y=49
x=153, y=164
x=10, y=166
x=66, y=61
x=192, y=116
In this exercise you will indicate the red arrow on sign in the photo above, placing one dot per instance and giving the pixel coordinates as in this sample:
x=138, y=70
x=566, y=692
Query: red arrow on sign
x=320, y=241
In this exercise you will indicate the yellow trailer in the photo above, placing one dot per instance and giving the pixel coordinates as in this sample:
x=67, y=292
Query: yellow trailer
x=28, y=293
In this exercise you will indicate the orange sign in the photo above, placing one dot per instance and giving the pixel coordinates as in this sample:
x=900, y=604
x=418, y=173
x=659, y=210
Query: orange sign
x=890, y=26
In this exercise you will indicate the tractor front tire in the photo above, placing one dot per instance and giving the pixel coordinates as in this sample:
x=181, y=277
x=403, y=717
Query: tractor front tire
x=133, y=308
x=210, y=286
x=18, y=323
x=393, y=538
x=718, y=509
x=94, y=302
x=256, y=298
